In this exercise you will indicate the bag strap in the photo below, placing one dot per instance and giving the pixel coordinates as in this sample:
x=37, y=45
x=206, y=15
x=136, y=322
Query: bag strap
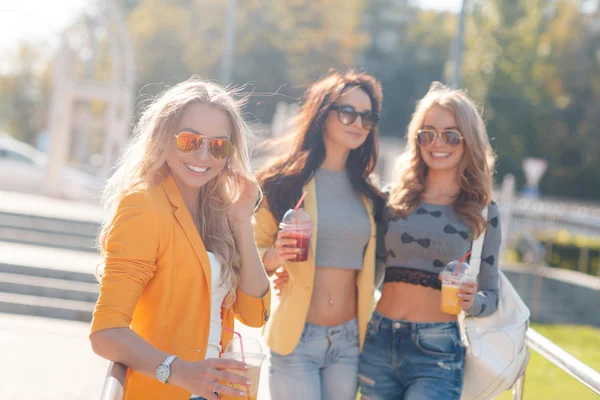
x=475, y=261
x=466, y=324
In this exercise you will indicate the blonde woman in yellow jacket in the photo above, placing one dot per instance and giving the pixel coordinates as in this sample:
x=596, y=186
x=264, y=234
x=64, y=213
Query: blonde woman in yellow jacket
x=180, y=259
x=318, y=327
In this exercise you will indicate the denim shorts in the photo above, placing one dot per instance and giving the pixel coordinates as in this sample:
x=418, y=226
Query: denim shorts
x=323, y=366
x=404, y=360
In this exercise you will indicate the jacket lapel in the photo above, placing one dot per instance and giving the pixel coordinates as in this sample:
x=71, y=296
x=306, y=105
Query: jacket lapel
x=184, y=218
x=369, y=208
x=367, y=273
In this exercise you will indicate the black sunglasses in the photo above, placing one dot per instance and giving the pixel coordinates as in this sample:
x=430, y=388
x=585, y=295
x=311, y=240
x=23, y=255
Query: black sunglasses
x=425, y=137
x=347, y=114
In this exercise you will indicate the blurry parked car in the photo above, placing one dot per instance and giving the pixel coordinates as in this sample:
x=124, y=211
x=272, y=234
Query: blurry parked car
x=23, y=168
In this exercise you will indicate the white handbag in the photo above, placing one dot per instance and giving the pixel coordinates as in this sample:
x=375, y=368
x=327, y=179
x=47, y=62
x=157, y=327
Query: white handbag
x=496, y=349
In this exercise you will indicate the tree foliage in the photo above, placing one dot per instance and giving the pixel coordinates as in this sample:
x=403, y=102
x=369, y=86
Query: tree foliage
x=533, y=64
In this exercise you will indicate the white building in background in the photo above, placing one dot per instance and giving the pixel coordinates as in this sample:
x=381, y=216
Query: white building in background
x=70, y=92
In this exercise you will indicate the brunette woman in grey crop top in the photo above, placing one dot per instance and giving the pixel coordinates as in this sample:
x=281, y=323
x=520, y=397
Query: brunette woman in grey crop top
x=413, y=350
x=316, y=331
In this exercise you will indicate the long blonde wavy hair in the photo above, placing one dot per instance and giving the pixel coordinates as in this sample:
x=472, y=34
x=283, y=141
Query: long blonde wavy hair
x=475, y=169
x=144, y=163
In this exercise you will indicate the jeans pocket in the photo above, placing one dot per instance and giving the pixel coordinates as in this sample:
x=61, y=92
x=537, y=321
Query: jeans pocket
x=438, y=345
x=371, y=331
x=304, y=336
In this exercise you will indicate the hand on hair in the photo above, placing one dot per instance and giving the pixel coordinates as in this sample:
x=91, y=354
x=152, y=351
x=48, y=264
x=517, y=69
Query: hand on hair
x=243, y=208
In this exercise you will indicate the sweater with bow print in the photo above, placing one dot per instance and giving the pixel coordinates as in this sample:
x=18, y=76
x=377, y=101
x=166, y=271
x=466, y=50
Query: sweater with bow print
x=417, y=248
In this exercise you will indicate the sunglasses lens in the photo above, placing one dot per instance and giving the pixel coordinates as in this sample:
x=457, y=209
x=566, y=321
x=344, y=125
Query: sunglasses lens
x=452, y=138
x=346, y=115
x=220, y=148
x=369, y=120
x=424, y=138
x=189, y=142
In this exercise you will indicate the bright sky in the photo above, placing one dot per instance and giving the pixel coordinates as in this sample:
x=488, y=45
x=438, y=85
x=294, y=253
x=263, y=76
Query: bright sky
x=450, y=5
x=42, y=20
x=35, y=19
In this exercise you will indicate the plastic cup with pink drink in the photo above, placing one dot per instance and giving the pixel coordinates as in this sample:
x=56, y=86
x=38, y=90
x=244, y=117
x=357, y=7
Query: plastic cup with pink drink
x=296, y=223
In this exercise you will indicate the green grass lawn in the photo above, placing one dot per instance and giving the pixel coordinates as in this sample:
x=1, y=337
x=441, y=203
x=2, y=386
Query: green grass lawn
x=545, y=381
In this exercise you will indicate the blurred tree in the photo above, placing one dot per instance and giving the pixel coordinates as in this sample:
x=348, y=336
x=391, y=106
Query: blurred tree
x=292, y=43
x=279, y=42
x=408, y=50
x=524, y=61
x=23, y=94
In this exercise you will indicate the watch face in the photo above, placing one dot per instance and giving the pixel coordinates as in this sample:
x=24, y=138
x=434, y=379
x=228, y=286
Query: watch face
x=162, y=373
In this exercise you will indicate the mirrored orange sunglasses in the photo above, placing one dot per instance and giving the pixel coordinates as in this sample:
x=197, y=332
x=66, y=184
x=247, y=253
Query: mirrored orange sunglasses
x=189, y=142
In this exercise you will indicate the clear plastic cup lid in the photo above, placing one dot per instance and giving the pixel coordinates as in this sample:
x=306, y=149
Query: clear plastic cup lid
x=296, y=218
x=464, y=270
x=248, y=344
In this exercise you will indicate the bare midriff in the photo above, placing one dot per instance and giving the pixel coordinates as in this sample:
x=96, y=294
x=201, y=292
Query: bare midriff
x=405, y=301
x=334, y=297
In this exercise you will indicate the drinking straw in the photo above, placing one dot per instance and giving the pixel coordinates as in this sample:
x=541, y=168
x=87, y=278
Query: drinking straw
x=460, y=262
x=241, y=347
x=300, y=201
x=241, y=341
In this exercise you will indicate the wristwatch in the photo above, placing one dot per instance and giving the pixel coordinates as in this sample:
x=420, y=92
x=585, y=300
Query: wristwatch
x=163, y=372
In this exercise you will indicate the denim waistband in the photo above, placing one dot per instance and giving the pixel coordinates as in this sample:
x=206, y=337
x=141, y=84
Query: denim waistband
x=380, y=321
x=349, y=329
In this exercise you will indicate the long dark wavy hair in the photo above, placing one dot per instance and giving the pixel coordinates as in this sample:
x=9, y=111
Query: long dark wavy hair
x=284, y=176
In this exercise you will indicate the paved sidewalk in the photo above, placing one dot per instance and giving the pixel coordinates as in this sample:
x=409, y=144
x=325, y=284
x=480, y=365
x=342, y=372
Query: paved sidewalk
x=48, y=359
x=52, y=359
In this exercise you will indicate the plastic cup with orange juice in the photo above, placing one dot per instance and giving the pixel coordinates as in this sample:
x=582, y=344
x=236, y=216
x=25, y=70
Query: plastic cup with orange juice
x=254, y=362
x=249, y=351
x=454, y=275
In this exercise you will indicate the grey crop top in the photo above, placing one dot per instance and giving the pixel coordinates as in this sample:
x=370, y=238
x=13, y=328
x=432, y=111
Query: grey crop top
x=418, y=247
x=344, y=227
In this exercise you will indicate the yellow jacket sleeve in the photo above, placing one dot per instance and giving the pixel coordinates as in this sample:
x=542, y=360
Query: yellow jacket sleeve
x=252, y=311
x=130, y=255
x=265, y=228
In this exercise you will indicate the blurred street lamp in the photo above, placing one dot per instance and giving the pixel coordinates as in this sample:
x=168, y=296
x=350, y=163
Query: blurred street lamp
x=534, y=169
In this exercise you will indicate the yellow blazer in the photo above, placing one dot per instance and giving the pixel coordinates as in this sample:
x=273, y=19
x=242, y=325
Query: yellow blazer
x=284, y=328
x=157, y=280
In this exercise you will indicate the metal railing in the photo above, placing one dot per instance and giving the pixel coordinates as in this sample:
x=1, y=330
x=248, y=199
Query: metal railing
x=114, y=383
x=565, y=361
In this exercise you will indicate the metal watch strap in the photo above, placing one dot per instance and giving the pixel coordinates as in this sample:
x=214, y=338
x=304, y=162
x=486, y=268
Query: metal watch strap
x=167, y=363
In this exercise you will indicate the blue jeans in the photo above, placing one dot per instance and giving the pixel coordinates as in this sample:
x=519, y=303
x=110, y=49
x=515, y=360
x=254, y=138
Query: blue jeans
x=323, y=366
x=411, y=360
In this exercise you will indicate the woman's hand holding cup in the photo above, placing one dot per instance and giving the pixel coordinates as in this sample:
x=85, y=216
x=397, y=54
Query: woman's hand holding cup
x=285, y=247
x=466, y=294
x=206, y=377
